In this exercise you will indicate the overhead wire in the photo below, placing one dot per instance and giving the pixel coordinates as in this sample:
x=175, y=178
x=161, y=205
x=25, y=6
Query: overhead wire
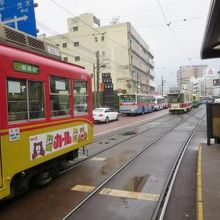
x=168, y=23
x=94, y=29
x=62, y=37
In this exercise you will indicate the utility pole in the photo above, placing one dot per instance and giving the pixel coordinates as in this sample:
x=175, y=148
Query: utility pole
x=162, y=85
x=94, y=85
x=97, y=78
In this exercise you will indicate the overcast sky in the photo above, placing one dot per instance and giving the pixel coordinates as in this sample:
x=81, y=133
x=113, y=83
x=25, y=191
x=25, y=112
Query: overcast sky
x=173, y=45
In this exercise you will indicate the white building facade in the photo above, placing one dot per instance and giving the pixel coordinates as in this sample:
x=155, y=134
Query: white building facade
x=116, y=49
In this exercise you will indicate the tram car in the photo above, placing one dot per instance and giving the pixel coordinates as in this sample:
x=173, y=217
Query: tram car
x=179, y=101
x=42, y=122
x=195, y=101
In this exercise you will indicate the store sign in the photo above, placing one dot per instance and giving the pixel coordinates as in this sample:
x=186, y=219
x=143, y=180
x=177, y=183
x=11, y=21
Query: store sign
x=25, y=67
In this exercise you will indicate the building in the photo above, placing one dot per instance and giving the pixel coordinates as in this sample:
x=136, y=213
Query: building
x=185, y=73
x=116, y=49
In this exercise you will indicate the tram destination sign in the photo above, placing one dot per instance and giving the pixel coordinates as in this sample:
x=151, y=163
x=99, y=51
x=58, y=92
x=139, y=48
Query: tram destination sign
x=174, y=90
x=25, y=67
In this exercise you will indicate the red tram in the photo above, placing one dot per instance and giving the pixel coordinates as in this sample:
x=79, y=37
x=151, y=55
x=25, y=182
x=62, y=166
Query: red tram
x=45, y=117
x=179, y=102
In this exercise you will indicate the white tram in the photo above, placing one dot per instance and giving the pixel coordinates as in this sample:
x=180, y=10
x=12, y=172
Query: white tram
x=179, y=101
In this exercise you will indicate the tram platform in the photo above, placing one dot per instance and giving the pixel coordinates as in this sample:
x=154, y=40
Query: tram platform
x=208, y=207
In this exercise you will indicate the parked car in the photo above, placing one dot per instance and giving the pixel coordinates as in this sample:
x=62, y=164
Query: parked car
x=105, y=115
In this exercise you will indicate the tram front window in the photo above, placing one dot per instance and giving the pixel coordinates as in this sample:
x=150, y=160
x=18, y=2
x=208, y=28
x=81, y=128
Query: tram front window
x=176, y=98
x=25, y=100
x=80, y=97
x=59, y=96
x=36, y=99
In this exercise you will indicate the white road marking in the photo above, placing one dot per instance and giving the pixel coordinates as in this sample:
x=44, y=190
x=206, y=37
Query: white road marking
x=98, y=158
x=118, y=193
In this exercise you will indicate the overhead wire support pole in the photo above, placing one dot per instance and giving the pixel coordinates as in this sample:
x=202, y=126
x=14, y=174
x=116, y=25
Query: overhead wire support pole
x=97, y=78
x=94, y=86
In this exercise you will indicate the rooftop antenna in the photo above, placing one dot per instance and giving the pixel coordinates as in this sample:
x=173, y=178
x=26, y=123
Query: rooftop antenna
x=115, y=20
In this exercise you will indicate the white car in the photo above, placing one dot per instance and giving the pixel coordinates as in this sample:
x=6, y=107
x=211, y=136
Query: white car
x=105, y=115
x=217, y=100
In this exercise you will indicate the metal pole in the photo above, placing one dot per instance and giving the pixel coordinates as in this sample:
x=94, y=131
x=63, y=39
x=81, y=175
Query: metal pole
x=94, y=85
x=162, y=86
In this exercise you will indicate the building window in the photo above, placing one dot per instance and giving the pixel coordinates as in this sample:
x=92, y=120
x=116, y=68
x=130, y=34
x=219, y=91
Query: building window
x=76, y=44
x=65, y=59
x=64, y=45
x=25, y=100
x=77, y=58
x=80, y=97
x=75, y=28
x=59, y=96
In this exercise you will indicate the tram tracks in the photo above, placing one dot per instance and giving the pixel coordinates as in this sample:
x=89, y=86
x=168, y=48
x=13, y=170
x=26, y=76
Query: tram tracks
x=162, y=202
x=165, y=196
x=132, y=133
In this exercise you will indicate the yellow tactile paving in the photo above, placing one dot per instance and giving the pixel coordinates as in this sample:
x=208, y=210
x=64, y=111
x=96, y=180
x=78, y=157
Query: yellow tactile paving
x=199, y=185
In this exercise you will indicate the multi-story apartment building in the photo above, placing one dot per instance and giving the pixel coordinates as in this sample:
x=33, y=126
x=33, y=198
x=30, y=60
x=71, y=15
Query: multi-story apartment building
x=116, y=49
x=185, y=73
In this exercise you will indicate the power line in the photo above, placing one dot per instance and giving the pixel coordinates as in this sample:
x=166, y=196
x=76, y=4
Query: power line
x=62, y=37
x=94, y=29
x=174, y=35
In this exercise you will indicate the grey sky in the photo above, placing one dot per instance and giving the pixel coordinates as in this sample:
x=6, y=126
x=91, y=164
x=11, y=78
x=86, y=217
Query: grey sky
x=173, y=46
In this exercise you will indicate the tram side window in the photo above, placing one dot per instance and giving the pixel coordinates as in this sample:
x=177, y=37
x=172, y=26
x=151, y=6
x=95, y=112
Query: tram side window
x=59, y=96
x=80, y=97
x=36, y=99
x=23, y=103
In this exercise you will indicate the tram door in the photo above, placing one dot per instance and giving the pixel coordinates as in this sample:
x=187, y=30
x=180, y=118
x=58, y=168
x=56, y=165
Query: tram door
x=0, y=166
x=1, y=173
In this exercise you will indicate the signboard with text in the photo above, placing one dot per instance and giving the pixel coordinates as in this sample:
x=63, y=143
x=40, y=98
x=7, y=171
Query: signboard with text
x=19, y=14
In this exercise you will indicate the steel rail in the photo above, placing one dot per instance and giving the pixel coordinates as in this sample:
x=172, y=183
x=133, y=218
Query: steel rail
x=110, y=147
x=166, y=192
